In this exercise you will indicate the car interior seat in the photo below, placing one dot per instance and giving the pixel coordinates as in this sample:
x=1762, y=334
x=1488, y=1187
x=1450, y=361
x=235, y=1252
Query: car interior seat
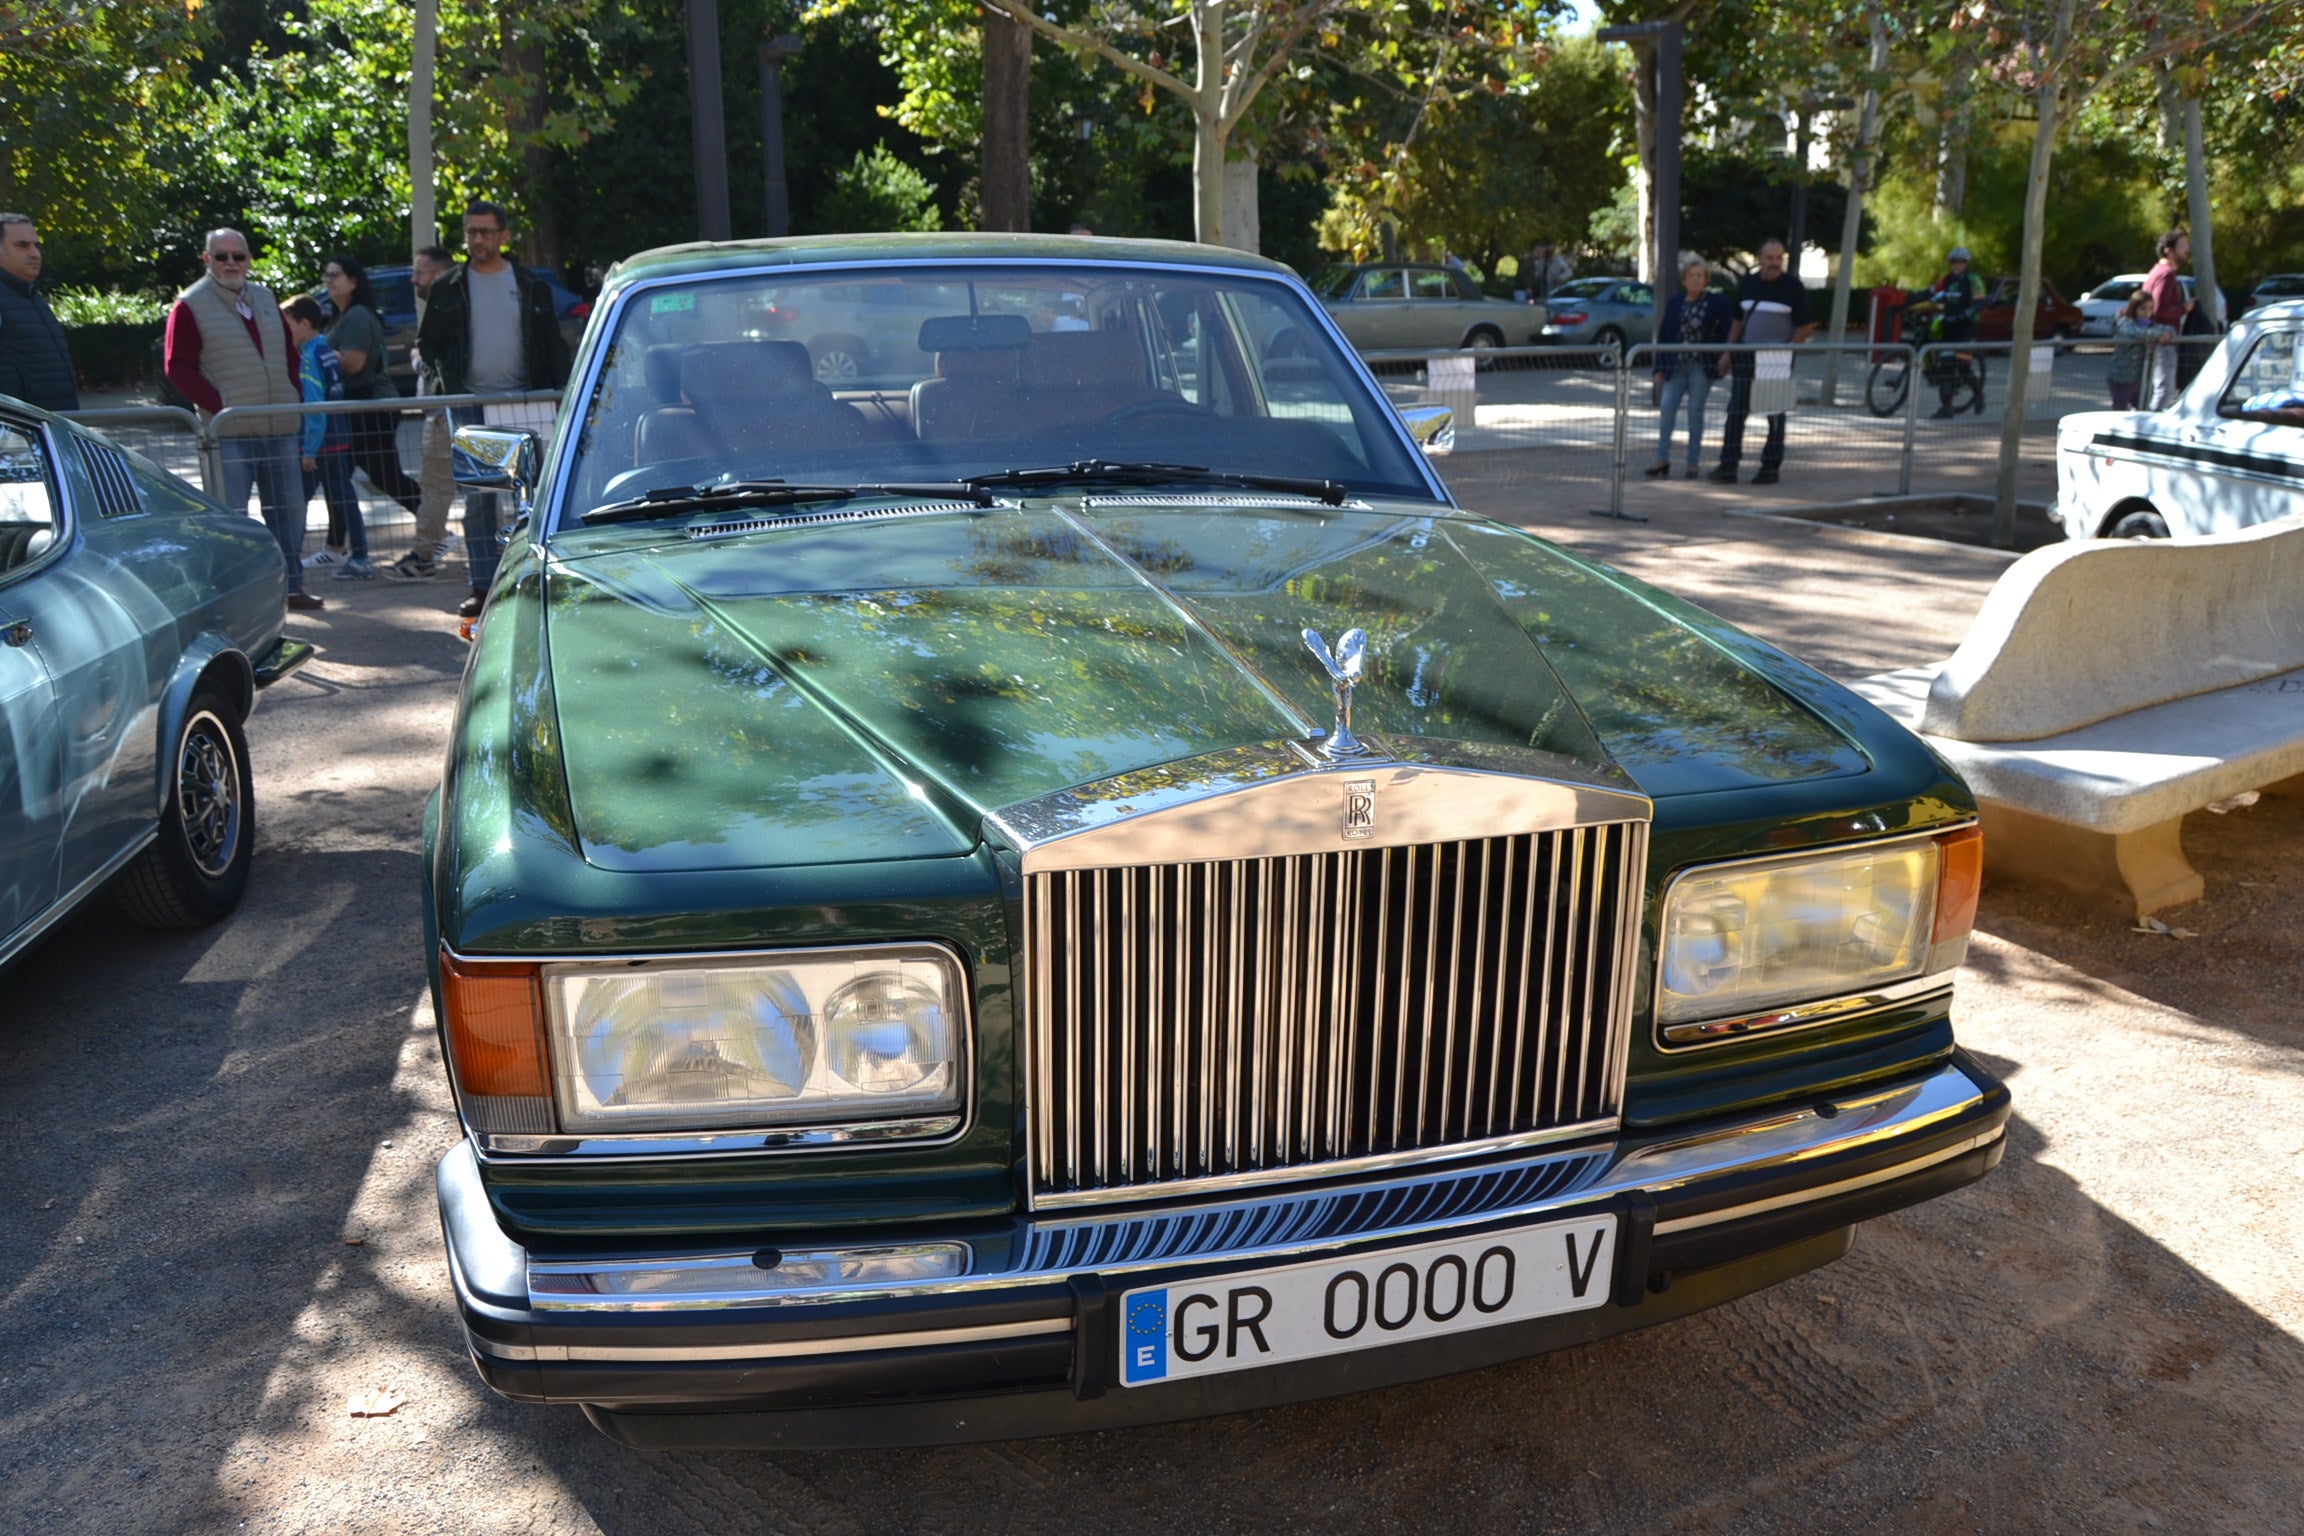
x=1071, y=377
x=974, y=393
x=746, y=397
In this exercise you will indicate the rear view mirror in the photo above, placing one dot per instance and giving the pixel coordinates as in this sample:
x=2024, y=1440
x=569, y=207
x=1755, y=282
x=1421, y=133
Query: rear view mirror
x=493, y=458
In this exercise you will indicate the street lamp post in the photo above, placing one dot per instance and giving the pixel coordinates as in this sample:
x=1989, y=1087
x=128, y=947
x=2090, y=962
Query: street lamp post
x=1659, y=42
x=773, y=52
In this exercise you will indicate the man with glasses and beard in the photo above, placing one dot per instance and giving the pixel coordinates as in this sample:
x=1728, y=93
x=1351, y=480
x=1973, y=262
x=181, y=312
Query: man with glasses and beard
x=228, y=345
x=488, y=329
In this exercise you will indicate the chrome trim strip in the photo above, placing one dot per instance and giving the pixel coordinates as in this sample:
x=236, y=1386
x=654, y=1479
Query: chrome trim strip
x=569, y=1149
x=1676, y=1038
x=1830, y=1010
x=1285, y=1224
x=1825, y=1191
x=64, y=906
x=781, y=1349
x=1275, y=799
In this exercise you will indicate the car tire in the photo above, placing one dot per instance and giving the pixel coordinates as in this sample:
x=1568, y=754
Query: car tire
x=1483, y=338
x=2142, y=523
x=1609, y=336
x=196, y=869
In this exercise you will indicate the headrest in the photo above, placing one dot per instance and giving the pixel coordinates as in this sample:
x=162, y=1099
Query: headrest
x=975, y=333
x=660, y=368
x=729, y=372
x=987, y=364
x=1076, y=360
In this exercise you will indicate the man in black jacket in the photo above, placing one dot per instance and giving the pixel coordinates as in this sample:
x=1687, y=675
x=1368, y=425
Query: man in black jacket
x=488, y=329
x=35, y=362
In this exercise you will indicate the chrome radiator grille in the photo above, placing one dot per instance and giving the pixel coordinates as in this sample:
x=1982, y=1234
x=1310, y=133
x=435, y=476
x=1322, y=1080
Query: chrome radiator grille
x=1272, y=1017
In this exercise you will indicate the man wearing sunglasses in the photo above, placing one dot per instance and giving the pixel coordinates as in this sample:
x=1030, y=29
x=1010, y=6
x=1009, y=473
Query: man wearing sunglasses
x=227, y=345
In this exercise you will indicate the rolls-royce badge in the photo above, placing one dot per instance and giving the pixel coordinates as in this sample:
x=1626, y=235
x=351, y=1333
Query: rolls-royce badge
x=1343, y=666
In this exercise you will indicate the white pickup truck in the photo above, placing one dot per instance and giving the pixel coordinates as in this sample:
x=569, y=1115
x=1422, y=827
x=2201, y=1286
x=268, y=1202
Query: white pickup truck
x=2211, y=461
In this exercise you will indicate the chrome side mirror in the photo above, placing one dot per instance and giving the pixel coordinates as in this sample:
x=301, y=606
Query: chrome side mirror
x=494, y=458
x=1433, y=427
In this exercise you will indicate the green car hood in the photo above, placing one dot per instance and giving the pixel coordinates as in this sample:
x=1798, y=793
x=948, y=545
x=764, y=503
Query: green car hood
x=832, y=691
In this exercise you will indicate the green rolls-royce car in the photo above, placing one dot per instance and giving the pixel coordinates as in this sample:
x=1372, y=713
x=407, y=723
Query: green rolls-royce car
x=1082, y=889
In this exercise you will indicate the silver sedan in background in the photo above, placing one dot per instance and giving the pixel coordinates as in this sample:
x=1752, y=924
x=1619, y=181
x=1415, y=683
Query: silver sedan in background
x=1601, y=312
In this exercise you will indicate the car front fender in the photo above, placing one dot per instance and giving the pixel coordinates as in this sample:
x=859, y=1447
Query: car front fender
x=208, y=654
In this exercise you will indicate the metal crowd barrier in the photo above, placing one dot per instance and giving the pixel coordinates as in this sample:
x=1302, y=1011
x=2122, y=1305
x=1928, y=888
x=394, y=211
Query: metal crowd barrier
x=190, y=445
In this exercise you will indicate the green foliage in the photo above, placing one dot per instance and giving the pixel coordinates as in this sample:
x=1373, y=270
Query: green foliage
x=879, y=192
x=114, y=354
x=104, y=306
x=1732, y=200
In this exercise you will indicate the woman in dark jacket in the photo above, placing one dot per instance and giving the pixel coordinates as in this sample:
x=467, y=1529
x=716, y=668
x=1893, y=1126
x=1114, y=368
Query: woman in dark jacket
x=357, y=337
x=1693, y=317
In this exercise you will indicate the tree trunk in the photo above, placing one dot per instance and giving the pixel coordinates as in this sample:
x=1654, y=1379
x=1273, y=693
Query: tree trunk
x=2048, y=99
x=2201, y=216
x=1644, y=135
x=1007, y=146
x=1242, y=231
x=1852, y=222
x=521, y=55
x=423, y=214
x=1210, y=132
x=1796, y=238
x=1952, y=140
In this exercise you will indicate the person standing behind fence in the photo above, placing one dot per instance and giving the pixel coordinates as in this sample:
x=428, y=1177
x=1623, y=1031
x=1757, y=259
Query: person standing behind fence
x=227, y=345
x=1693, y=317
x=327, y=444
x=1772, y=310
x=438, y=483
x=488, y=329
x=2169, y=303
x=357, y=338
x=2133, y=335
x=35, y=360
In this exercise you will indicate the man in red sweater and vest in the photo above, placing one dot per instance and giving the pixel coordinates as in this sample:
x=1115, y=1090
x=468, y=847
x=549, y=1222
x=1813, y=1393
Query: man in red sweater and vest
x=227, y=345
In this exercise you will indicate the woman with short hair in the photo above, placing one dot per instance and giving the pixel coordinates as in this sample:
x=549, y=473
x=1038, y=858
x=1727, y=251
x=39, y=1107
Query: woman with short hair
x=1693, y=317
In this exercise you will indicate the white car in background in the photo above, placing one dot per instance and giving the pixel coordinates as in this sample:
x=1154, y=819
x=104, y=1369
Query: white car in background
x=2100, y=305
x=2200, y=466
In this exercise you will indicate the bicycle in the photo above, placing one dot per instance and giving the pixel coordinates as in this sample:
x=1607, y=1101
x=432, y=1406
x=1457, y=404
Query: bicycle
x=1962, y=371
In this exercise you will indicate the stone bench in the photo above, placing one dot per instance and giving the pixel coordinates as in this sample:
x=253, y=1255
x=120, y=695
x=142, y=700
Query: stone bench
x=2106, y=689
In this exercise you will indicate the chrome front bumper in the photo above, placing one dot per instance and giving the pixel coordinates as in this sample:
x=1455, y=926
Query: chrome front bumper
x=1023, y=1311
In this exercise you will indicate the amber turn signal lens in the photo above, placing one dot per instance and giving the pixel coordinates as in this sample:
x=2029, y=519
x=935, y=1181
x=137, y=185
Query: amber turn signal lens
x=495, y=1027
x=1959, y=880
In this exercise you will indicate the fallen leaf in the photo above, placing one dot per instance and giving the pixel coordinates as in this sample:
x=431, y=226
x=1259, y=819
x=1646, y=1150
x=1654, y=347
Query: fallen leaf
x=354, y=1242
x=2149, y=925
x=374, y=1405
x=48, y=1204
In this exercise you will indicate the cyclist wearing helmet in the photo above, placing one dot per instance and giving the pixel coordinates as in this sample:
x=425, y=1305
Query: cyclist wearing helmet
x=1956, y=295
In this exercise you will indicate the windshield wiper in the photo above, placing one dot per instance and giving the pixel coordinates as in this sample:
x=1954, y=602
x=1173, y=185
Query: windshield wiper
x=1130, y=473
x=671, y=500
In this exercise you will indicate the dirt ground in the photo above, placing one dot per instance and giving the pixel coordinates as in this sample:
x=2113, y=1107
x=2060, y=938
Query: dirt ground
x=216, y=1154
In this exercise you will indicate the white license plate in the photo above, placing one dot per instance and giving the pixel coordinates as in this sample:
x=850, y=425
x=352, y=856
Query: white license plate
x=1304, y=1311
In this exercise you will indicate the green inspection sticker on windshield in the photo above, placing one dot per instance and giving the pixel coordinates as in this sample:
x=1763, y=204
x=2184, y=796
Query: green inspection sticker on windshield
x=672, y=303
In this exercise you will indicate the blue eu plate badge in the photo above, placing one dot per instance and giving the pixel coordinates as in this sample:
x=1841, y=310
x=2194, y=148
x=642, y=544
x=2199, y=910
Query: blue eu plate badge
x=1146, y=1345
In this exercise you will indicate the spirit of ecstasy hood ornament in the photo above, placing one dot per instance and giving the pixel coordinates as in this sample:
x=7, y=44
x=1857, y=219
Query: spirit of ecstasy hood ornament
x=1343, y=666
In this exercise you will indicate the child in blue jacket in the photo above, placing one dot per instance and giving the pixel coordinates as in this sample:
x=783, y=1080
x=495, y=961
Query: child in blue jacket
x=327, y=438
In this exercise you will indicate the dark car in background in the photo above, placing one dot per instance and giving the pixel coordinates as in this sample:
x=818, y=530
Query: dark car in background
x=395, y=289
x=1996, y=316
x=2274, y=289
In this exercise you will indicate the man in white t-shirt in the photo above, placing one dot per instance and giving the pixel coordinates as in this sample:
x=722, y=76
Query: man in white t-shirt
x=488, y=329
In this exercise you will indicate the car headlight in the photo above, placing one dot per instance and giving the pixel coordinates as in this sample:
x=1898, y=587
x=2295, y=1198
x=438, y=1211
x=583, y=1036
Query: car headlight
x=1741, y=942
x=806, y=1038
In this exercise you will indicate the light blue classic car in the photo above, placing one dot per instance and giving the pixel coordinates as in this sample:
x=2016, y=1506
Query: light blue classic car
x=137, y=621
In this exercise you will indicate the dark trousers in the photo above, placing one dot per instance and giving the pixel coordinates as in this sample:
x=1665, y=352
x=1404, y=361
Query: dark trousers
x=333, y=479
x=1739, y=407
x=376, y=453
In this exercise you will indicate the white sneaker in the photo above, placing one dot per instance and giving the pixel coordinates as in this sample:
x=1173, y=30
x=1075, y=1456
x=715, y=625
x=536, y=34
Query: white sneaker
x=326, y=556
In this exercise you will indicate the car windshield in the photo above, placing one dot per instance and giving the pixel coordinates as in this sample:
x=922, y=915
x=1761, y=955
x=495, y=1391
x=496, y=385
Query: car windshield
x=2117, y=289
x=2280, y=285
x=939, y=374
x=1334, y=282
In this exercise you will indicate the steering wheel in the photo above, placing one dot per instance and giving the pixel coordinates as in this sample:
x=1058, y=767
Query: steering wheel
x=1150, y=410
